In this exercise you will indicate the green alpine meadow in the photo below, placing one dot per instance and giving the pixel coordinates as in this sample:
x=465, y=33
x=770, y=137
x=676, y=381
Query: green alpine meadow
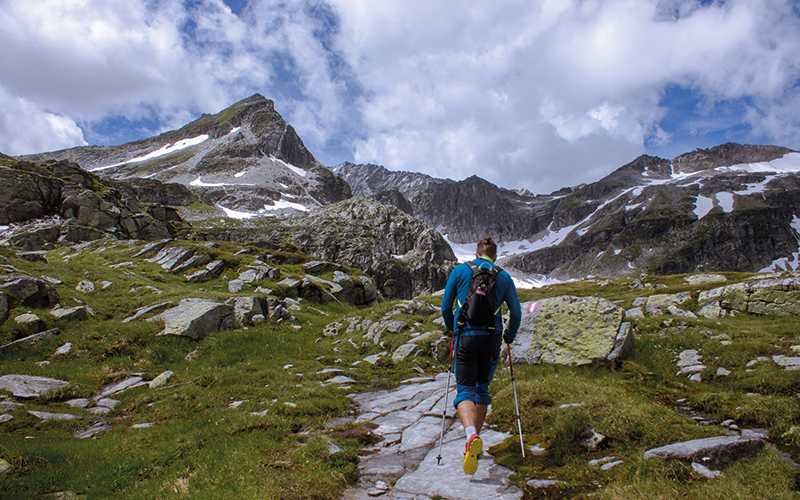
x=251, y=411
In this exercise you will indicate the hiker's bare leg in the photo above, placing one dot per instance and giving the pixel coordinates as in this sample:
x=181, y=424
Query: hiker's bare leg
x=472, y=415
x=468, y=413
x=480, y=411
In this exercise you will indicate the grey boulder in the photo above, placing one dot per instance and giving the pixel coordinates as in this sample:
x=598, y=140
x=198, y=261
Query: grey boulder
x=196, y=318
x=30, y=291
x=573, y=331
x=246, y=308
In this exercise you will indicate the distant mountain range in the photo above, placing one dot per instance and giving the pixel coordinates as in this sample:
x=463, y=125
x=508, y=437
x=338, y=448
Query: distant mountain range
x=732, y=207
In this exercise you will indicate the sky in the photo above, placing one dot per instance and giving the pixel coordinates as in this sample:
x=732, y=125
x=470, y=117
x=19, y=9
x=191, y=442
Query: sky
x=535, y=94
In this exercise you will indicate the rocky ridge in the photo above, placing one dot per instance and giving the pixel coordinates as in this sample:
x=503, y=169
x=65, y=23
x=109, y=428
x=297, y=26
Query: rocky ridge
x=57, y=203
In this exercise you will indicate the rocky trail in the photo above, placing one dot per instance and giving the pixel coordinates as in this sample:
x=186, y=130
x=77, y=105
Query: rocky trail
x=403, y=465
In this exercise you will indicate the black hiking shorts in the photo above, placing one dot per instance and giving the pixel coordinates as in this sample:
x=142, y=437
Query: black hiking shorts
x=476, y=360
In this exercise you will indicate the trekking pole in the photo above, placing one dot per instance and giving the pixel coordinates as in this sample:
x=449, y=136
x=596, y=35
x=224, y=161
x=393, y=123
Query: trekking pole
x=446, y=390
x=516, y=403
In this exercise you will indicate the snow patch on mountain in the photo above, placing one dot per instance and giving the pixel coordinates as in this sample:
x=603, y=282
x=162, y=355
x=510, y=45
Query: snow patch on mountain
x=235, y=214
x=703, y=205
x=725, y=201
x=756, y=188
x=277, y=205
x=166, y=150
x=281, y=204
x=297, y=170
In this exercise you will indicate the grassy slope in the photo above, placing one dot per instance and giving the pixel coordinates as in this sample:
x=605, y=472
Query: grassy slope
x=202, y=446
x=637, y=403
x=198, y=441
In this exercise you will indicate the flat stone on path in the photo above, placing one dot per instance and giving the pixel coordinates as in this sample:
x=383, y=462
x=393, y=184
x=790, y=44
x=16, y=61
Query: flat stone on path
x=448, y=479
x=421, y=433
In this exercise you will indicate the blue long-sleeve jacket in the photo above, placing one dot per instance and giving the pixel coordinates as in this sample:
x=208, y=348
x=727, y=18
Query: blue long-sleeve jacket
x=457, y=289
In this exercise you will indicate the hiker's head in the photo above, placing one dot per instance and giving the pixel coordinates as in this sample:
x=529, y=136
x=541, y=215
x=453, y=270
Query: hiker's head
x=487, y=248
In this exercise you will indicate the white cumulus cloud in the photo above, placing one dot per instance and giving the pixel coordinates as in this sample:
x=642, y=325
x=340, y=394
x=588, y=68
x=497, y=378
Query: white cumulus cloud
x=538, y=94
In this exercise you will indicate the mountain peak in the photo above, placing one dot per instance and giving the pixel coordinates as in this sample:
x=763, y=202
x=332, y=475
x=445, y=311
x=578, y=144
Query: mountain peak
x=245, y=158
x=254, y=108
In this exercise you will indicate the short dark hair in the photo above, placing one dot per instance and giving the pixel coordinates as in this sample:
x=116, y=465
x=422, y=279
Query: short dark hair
x=487, y=247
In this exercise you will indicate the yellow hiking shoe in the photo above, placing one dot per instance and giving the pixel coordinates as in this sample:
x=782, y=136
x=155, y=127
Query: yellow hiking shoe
x=473, y=449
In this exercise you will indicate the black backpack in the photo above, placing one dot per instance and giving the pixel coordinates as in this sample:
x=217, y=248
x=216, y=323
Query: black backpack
x=479, y=308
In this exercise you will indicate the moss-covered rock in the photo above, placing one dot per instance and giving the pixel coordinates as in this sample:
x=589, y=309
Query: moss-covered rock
x=572, y=331
x=770, y=297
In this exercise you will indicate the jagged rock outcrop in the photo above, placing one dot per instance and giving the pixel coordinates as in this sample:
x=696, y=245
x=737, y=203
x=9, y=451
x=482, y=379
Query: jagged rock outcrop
x=369, y=179
x=245, y=158
x=403, y=255
x=726, y=155
x=29, y=291
x=80, y=205
x=473, y=208
x=768, y=297
x=645, y=218
x=465, y=211
x=395, y=198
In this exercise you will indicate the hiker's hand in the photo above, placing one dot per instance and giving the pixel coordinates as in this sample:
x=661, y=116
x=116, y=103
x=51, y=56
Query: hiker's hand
x=505, y=339
x=449, y=333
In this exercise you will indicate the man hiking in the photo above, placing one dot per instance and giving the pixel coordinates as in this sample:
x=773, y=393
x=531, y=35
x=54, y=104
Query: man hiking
x=478, y=289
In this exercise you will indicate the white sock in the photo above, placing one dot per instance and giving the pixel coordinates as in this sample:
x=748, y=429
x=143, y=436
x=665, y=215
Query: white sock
x=470, y=431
